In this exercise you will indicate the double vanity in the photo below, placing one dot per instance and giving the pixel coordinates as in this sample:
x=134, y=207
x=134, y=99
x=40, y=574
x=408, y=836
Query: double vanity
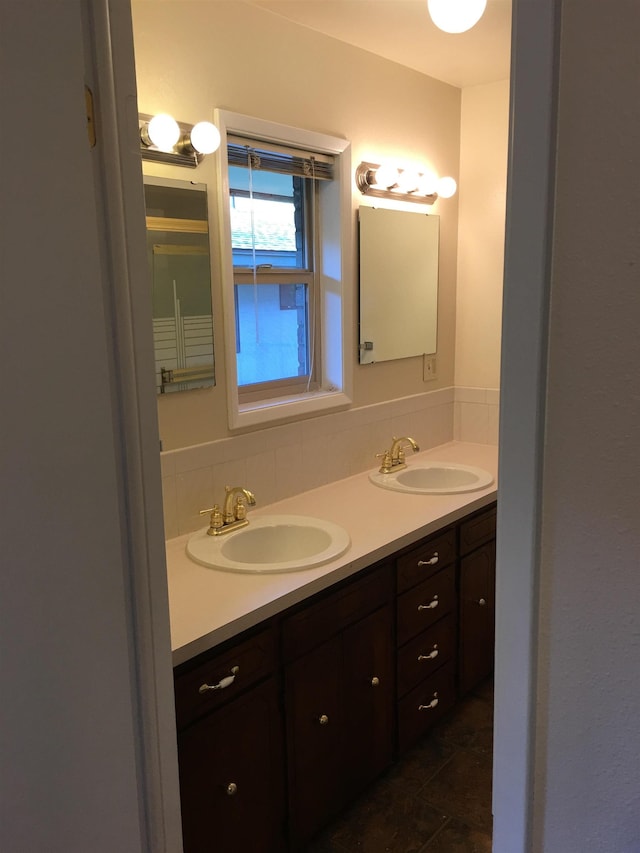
x=296, y=687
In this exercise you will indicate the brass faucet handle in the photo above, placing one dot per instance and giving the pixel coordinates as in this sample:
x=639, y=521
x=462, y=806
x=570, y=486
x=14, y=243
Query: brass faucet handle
x=240, y=510
x=386, y=462
x=215, y=522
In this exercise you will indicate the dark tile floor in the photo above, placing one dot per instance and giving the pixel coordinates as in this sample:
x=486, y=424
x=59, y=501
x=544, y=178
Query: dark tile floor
x=436, y=799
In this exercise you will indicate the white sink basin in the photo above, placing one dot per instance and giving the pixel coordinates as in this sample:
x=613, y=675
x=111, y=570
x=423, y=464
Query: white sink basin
x=434, y=478
x=271, y=543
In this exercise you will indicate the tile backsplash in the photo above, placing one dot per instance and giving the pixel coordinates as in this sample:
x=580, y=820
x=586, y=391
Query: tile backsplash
x=282, y=461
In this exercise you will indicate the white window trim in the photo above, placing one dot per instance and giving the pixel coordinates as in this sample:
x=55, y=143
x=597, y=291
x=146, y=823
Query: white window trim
x=335, y=274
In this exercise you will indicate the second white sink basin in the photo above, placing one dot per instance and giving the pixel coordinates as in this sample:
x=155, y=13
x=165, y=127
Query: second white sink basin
x=434, y=478
x=271, y=543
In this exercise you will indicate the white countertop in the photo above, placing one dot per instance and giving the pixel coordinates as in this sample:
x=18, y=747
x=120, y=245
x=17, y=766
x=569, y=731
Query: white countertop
x=208, y=606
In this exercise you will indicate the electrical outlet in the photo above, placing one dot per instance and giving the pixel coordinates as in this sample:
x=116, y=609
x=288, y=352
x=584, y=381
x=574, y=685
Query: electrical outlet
x=428, y=368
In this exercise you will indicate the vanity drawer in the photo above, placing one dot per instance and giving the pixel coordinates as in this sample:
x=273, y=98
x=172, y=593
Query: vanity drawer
x=477, y=530
x=425, y=705
x=422, y=656
x=426, y=559
x=318, y=621
x=422, y=606
x=252, y=659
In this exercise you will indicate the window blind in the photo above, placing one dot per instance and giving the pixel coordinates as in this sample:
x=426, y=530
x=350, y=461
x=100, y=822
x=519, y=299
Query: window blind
x=279, y=158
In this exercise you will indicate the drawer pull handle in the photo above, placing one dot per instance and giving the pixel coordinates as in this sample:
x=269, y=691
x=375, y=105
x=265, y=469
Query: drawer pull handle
x=431, y=606
x=432, y=561
x=323, y=720
x=225, y=682
x=482, y=602
x=375, y=681
x=431, y=705
x=231, y=789
x=432, y=655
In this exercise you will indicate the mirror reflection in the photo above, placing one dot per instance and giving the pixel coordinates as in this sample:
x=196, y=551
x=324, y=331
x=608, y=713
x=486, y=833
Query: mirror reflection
x=398, y=284
x=178, y=252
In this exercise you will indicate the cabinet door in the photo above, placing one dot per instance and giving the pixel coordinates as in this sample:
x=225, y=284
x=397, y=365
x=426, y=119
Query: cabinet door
x=315, y=738
x=477, y=609
x=369, y=698
x=232, y=777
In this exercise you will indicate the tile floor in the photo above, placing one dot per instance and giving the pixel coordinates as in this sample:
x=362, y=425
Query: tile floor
x=436, y=799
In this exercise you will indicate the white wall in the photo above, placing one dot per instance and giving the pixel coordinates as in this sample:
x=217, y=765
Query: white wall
x=188, y=61
x=587, y=783
x=484, y=138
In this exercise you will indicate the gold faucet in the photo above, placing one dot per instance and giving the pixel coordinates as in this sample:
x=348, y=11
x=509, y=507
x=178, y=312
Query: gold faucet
x=394, y=459
x=233, y=514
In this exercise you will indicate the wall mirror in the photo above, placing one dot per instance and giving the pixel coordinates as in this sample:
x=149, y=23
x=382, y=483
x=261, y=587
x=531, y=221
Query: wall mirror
x=178, y=252
x=398, y=284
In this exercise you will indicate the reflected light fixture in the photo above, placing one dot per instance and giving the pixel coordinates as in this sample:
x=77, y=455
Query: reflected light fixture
x=388, y=181
x=165, y=140
x=456, y=16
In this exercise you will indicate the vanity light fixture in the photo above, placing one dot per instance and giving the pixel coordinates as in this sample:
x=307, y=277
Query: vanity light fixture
x=456, y=16
x=165, y=140
x=386, y=181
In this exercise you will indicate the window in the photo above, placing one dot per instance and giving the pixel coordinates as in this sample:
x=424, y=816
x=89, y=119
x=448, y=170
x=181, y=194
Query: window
x=285, y=236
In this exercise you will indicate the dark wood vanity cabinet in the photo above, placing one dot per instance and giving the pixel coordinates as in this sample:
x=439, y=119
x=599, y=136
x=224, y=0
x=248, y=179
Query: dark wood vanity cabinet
x=426, y=634
x=230, y=750
x=339, y=698
x=308, y=709
x=476, y=599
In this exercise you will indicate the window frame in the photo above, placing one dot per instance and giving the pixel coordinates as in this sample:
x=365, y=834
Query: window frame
x=333, y=270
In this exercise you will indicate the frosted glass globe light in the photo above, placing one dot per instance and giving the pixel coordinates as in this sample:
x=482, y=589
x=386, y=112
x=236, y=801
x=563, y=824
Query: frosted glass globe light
x=163, y=131
x=428, y=183
x=456, y=16
x=408, y=181
x=205, y=137
x=386, y=176
x=447, y=187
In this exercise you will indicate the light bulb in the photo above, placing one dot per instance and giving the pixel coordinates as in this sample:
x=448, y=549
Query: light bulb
x=408, y=181
x=456, y=16
x=386, y=176
x=427, y=183
x=447, y=187
x=163, y=131
x=205, y=137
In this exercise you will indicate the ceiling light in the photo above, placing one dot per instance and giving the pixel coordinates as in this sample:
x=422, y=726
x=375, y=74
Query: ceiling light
x=456, y=16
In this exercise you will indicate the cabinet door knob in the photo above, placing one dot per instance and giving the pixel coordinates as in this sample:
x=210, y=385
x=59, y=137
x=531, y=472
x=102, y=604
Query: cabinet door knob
x=225, y=682
x=431, y=705
x=482, y=602
x=375, y=681
x=323, y=720
x=432, y=655
x=231, y=789
x=431, y=606
x=432, y=561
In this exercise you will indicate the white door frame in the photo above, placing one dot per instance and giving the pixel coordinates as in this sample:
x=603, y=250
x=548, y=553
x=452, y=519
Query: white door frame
x=529, y=226
x=134, y=387
x=522, y=409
